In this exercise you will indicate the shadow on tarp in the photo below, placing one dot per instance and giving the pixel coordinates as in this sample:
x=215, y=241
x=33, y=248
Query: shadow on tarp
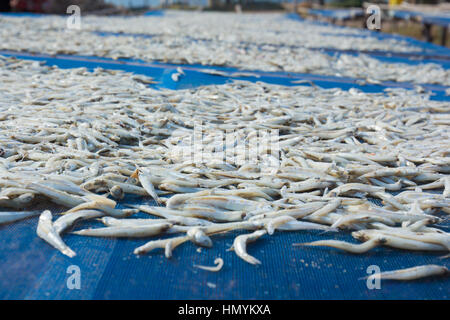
x=32, y=269
x=196, y=75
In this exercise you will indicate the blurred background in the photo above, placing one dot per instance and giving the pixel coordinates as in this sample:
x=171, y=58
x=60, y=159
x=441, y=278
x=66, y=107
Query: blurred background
x=426, y=20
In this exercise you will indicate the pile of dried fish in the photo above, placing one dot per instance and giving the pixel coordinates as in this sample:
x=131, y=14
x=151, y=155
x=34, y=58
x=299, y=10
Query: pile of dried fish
x=83, y=140
x=285, y=45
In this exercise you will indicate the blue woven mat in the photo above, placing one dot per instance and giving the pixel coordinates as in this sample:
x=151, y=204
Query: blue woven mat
x=411, y=58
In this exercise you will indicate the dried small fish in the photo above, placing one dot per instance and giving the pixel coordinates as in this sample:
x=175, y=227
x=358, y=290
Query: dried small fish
x=240, y=245
x=66, y=221
x=198, y=236
x=47, y=232
x=167, y=244
x=349, y=247
x=117, y=192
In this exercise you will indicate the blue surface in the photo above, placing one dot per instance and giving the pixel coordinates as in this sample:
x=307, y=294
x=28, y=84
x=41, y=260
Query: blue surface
x=412, y=58
x=155, y=13
x=124, y=34
x=31, y=269
x=430, y=53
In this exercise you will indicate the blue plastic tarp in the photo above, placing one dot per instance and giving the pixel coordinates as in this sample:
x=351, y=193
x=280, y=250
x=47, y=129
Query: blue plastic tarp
x=427, y=48
x=412, y=58
x=155, y=13
x=31, y=269
x=341, y=14
x=22, y=14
